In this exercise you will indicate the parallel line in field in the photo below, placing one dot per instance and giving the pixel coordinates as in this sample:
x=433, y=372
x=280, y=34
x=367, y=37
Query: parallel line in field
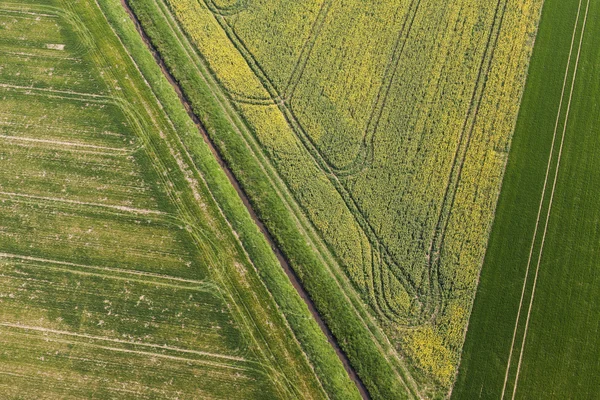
x=82, y=95
x=537, y=268
x=6, y=9
x=205, y=287
x=539, y=214
x=306, y=51
x=365, y=155
x=463, y=145
x=59, y=143
x=77, y=151
x=48, y=331
x=105, y=269
x=54, y=55
x=24, y=15
x=66, y=387
x=151, y=355
x=42, y=378
x=141, y=211
x=11, y=120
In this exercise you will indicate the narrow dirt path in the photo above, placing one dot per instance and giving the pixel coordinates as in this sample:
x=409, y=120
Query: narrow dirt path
x=282, y=260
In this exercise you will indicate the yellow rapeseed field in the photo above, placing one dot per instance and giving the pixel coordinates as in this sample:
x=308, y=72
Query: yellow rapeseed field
x=390, y=124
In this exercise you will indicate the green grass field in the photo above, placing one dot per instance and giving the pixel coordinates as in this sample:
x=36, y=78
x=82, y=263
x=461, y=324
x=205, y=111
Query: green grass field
x=534, y=328
x=374, y=160
x=129, y=267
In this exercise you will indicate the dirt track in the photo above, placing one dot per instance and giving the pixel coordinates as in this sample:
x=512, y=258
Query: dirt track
x=282, y=260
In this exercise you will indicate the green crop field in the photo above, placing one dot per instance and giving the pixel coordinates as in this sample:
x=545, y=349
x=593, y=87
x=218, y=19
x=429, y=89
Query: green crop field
x=371, y=138
x=534, y=328
x=129, y=267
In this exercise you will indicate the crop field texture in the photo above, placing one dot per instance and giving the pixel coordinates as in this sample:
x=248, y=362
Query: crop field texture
x=534, y=328
x=383, y=128
x=120, y=273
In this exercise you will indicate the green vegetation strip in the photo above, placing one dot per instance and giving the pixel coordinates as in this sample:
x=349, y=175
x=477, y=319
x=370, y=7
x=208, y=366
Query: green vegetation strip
x=533, y=331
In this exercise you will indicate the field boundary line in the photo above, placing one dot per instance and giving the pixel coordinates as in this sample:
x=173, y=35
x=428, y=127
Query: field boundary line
x=542, y=202
x=551, y=200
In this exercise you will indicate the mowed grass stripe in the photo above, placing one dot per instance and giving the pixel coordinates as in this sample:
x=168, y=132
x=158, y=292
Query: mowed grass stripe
x=556, y=337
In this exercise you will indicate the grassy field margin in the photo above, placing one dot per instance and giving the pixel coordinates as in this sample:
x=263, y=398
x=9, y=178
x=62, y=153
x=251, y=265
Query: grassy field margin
x=320, y=354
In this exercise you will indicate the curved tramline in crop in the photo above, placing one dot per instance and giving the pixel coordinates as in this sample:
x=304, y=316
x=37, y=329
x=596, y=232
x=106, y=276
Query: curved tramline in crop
x=437, y=243
x=236, y=7
x=429, y=297
x=364, y=158
x=419, y=294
